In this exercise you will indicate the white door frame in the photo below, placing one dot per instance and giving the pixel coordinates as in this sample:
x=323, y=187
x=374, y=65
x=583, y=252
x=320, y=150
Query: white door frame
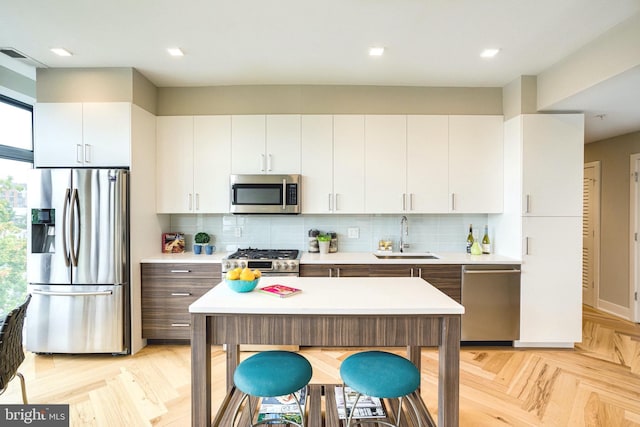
x=596, y=229
x=634, y=237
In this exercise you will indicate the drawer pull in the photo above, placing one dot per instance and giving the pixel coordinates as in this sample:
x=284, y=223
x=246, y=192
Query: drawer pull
x=181, y=294
x=181, y=271
x=180, y=325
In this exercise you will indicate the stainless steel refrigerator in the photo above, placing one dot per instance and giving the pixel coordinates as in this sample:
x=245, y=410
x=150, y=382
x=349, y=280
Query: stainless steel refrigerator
x=78, y=261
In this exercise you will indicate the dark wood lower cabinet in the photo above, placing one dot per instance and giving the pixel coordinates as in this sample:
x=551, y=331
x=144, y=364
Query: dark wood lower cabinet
x=445, y=277
x=334, y=270
x=167, y=291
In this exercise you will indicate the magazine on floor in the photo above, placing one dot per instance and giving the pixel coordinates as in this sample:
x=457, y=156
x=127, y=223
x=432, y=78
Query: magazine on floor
x=282, y=407
x=367, y=407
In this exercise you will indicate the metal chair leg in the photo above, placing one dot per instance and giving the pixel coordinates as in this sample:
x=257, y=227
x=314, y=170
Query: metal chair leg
x=24, y=388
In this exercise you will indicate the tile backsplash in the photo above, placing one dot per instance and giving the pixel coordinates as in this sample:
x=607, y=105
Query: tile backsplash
x=435, y=233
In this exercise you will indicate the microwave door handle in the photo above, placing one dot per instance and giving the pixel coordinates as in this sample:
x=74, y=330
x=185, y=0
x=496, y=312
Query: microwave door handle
x=284, y=194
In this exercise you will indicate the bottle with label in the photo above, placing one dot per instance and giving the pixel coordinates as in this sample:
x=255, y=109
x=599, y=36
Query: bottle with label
x=470, y=239
x=486, y=244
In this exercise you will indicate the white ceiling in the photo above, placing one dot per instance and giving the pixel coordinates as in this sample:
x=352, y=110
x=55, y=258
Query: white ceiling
x=245, y=42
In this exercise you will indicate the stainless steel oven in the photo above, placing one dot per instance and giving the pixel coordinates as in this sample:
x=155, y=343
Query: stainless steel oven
x=265, y=194
x=270, y=262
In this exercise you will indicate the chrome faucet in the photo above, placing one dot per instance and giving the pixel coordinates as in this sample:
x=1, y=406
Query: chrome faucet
x=404, y=232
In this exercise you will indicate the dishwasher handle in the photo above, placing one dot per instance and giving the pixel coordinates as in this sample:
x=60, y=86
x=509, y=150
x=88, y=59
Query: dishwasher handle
x=505, y=271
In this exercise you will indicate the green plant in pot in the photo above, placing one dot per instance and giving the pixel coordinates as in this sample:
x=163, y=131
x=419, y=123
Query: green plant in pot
x=199, y=240
x=323, y=242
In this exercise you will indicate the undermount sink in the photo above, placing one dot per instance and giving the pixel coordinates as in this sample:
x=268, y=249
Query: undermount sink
x=406, y=255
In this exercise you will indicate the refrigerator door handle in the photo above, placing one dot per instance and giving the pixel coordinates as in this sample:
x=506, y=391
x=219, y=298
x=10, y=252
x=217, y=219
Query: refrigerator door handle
x=72, y=294
x=65, y=250
x=75, y=240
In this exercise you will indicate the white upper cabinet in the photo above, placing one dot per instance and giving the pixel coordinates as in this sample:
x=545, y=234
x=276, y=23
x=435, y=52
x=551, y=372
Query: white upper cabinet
x=211, y=163
x=174, y=167
x=283, y=144
x=348, y=164
x=265, y=144
x=553, y=150
x=475, y=164
x=317, y=163
x=385, y=163
x=248, y=144
x=193, y=164
x=96, y=134
x=427, y=164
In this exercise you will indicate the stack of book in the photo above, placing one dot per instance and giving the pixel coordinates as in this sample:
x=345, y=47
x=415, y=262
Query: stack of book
x=282, y=407
x=367, y=407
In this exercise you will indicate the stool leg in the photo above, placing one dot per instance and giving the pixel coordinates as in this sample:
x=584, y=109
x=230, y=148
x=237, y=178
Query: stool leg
x=24, y=388
x=415, y=410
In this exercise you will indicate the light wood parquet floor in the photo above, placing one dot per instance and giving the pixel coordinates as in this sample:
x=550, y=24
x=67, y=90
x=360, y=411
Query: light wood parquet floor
x=597, y=384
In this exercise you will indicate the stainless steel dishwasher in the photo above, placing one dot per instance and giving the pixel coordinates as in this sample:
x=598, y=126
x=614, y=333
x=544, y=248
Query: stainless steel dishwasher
x=491, y=299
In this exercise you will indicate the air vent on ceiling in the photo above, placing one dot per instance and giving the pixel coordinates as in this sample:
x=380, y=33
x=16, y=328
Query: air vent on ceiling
x=19, y=56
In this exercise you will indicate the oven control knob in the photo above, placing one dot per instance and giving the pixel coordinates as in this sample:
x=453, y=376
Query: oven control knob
x=276, y=265
x=227, y=265
x=285, y=266
x=243, y=264
x=292, y=265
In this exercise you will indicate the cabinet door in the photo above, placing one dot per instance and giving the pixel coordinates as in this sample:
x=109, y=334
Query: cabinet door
x=317, y=163
x=385, y=164
x=211, y=163
x=447, y=278
x=316, y=270
x=58, y=135
x=174, y=165
x=248, y=144
x=106, y=134
x=391, y=270
x=551, y=283
x=283, y=144
x=475, y=164
x=348, y=164
x=553, y=151
x=427, y=164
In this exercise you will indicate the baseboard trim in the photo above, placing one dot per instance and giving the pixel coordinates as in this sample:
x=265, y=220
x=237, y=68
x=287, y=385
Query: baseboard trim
x=614, y=309
x=525, y=344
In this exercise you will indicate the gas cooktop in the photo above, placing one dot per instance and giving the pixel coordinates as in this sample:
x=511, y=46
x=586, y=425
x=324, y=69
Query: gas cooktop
x=264, y=254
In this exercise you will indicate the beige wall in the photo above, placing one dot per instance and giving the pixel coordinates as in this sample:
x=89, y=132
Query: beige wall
x=327, y=100
x=16, y=85
x=95, y=85
x=613, y=155
x=519, y=97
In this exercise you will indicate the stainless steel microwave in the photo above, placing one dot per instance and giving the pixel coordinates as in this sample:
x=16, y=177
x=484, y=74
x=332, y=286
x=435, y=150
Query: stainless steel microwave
x=265, y=194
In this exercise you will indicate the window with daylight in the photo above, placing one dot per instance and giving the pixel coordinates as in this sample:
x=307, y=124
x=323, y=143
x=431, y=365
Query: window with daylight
x=16, y=159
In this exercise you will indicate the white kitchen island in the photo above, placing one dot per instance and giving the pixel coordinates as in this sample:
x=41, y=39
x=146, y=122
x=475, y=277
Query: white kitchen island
x=343, y=312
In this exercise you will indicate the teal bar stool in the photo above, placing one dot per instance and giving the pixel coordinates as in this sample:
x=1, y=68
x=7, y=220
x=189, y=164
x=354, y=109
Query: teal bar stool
x=383, y=375
x=271, y=374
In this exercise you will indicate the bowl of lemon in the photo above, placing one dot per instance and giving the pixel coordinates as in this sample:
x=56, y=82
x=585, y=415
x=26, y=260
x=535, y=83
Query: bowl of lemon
x=242, y=279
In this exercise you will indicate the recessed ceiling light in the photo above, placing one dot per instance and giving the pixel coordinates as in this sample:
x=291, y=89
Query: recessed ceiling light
x=60, y=51
x=376, y=51
x=175, y=51
x=489, y=53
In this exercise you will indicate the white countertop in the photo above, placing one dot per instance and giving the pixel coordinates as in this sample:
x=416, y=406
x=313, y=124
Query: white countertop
x=345, y=258
x=322, y=295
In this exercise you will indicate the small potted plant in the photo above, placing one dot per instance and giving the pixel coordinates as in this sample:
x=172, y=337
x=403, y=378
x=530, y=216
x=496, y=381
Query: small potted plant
x=200, y=239
x=324, y=241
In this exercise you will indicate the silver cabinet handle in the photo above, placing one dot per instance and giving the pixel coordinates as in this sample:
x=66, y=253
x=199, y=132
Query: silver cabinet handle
x=197, y=201
x=87, y=153
x=335, y=202
x=72, y=294
x=269, y=162
x=411, y=201
x=411, y=272
x=331, y=272
x=420, y=272
x=180, y=271
x=337, y=272
x=453, y=201
x=404, y=201
x=180, y=294
x=79, y=155
x=189, y=201
x=262, y=163
x=330, y=205
x=506, y=271
x=180, y=325
x=527, y=208
x=526, y=246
